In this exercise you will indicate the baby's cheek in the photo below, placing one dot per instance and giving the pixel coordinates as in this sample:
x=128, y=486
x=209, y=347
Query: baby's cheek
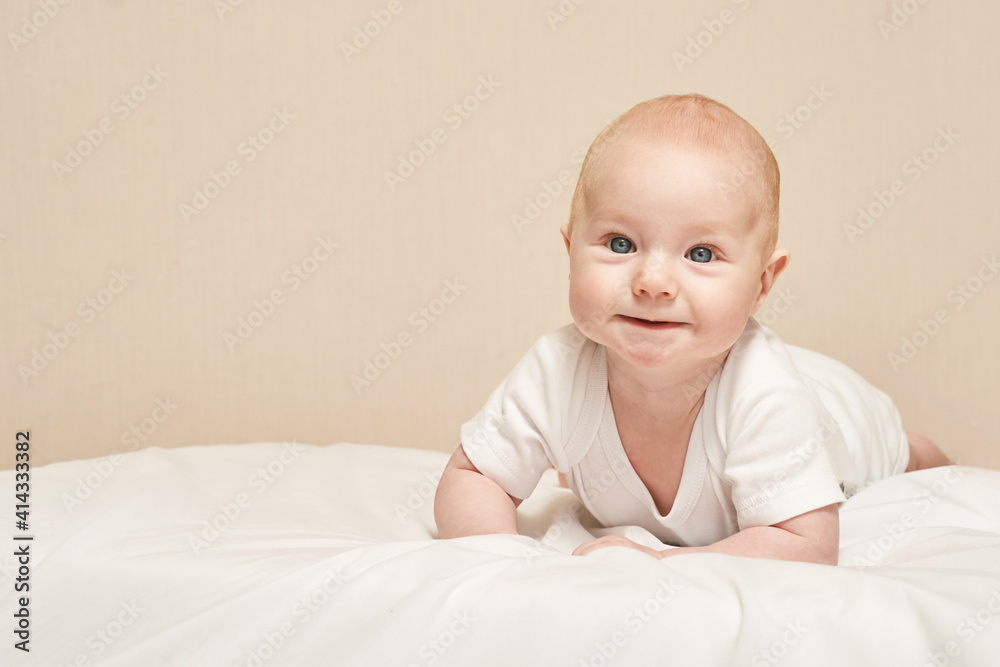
x=582, y=316
x=728, y=312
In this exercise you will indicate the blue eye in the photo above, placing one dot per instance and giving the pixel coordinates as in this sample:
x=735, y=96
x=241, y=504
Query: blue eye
x=701, y=254
x=620, y=244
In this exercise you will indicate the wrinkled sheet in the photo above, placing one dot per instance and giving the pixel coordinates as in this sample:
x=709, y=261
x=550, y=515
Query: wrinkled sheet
x=287, y=554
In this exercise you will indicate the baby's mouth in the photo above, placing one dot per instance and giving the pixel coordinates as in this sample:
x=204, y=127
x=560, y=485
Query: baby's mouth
x=651, y=324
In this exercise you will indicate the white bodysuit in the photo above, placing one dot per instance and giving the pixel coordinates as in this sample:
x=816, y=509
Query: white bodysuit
x=782, y=431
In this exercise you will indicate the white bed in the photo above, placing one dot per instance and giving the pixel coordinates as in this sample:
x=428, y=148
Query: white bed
x=325, y=556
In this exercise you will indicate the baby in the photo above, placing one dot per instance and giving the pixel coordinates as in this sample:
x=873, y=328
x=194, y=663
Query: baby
x=666, y=405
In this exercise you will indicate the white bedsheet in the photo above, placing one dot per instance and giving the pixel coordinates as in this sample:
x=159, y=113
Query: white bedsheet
x=325, y=556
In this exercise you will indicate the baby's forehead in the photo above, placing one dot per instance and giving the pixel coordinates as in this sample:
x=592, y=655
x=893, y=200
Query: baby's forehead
x=682, y=161
x=715, y=170
x=682, y=138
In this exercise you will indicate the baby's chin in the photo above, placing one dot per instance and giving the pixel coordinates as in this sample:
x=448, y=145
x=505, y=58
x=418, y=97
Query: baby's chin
x=652, y=357
x=647, y=356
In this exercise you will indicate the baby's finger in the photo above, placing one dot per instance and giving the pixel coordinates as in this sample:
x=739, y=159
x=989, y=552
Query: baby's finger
x=599, y=543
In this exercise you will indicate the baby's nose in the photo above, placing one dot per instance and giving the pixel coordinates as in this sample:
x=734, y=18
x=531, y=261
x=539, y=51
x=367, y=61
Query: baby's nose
x=656, y=276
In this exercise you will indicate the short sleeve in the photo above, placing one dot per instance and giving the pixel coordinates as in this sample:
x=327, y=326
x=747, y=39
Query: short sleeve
x=514, y=439
x=777, y=463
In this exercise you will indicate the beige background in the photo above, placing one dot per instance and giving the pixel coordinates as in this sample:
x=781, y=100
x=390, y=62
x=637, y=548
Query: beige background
x=160, y=336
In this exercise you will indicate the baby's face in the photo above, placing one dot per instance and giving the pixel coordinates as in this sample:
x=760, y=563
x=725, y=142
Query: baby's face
x=665, y=268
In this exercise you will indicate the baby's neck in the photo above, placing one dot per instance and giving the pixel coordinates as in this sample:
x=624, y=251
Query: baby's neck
x=665, y=398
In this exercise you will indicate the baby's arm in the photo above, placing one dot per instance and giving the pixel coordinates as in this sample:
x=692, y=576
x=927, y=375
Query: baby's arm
x=813, y=537
x=469, y=503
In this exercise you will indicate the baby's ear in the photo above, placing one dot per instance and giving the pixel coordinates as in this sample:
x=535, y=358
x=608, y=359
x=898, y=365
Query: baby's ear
x=775, y=265
x=565, y=234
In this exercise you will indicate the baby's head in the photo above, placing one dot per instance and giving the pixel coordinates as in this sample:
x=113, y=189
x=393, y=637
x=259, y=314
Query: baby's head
x=672, y=233
x=698, y=122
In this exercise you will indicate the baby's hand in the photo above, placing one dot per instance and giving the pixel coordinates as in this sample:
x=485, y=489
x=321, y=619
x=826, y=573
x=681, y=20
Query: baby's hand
x=614, y=541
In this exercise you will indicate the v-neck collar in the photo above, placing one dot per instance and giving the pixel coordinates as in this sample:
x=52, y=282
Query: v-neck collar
x=695, y=459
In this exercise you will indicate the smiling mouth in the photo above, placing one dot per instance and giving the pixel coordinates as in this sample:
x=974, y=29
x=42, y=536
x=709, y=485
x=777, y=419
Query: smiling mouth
x=651, y=324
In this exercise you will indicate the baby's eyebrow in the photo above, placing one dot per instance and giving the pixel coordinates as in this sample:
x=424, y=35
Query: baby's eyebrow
x=608, y=216
x=715, y=227
x=609, y=219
